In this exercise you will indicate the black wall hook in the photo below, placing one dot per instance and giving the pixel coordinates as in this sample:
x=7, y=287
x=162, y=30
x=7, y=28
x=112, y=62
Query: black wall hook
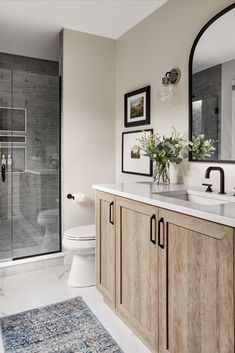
x=70, y=196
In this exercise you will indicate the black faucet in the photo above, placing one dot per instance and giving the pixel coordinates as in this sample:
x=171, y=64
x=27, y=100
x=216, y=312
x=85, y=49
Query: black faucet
x=207, y=176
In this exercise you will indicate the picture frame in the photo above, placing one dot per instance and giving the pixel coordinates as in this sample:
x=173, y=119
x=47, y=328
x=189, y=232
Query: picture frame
x=133, y=159
x=137, y=107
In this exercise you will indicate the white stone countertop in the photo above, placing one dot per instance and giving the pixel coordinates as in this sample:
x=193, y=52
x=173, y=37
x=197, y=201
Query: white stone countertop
x=146, y=192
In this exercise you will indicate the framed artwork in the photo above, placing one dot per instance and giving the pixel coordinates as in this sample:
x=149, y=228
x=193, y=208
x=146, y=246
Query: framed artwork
x=137, y=107
x=133, y=159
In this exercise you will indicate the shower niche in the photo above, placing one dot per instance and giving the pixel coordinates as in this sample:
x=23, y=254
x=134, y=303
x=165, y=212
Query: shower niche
x=13, y=138
x=12, y=120
x=29, y=157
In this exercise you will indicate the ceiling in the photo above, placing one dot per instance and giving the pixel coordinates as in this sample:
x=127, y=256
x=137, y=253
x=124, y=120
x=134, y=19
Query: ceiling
x=31, y=27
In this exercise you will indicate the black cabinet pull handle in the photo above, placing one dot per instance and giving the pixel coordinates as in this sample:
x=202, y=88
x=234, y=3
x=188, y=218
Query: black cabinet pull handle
x=110, y=213
x=161, y=221
x=3, y=173
x=153, y=218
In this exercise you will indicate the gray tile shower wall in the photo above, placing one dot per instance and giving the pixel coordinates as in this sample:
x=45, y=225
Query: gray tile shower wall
x=33, y=85
x=207, y=84
x=41, y=101
x=38, y=193
x=33, y=65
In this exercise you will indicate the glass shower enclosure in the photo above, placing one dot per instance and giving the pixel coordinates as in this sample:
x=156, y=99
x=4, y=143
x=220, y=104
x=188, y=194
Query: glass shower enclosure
x=29, y=157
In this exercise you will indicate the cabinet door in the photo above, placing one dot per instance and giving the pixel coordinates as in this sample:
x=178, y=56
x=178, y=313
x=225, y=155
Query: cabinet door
x=196, y=281
x=137, y=268
x=105, y=246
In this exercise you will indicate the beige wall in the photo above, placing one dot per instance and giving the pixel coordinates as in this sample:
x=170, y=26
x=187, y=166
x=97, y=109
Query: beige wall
x=90, y=77
x=143, y=55
x=88, y=123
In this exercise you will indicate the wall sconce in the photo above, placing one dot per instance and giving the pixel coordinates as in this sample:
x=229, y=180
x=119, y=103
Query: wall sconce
x=167, y=91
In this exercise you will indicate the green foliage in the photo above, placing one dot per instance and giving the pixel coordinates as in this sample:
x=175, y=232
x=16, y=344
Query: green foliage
x=166, y=149
x=175, y=147
x=201, y=147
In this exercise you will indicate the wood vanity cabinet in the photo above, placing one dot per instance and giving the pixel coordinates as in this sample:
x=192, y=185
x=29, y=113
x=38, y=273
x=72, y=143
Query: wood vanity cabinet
x=137, y=268
x=196, y=285
x=105, y=246
x=174, y=277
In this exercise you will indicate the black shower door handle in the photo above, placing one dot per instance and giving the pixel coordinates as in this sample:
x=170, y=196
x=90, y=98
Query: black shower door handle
x=3, y=172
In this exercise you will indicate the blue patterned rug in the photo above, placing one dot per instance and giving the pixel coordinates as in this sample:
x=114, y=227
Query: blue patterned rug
x=67, y=327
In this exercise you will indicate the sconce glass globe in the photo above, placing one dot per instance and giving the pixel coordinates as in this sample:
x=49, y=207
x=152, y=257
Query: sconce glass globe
x=166, y=93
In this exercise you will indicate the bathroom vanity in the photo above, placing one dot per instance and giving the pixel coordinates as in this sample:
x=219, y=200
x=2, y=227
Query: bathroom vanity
x=165, y=264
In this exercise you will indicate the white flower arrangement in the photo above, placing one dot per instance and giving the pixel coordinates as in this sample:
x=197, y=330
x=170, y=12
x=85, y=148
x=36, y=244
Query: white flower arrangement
x=201, y=147
x=163, y=150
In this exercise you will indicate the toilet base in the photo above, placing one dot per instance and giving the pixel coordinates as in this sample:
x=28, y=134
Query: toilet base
x=82, y=273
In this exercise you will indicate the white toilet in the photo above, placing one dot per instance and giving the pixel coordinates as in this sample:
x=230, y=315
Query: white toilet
x=81, y=242
x=49, y=220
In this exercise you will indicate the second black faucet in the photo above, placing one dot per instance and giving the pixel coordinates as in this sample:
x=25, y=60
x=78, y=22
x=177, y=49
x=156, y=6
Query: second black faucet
x=222, y=180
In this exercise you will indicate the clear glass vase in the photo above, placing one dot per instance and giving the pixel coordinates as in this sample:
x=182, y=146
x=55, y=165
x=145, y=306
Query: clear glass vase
x=161, y=172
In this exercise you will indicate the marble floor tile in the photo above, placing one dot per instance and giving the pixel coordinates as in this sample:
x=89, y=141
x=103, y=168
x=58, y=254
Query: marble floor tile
x=31, y=290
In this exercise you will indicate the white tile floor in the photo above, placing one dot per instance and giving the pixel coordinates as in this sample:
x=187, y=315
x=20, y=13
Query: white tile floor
x=31, y=290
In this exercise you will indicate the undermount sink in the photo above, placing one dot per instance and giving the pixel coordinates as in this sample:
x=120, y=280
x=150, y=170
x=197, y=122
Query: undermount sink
x=198, y=197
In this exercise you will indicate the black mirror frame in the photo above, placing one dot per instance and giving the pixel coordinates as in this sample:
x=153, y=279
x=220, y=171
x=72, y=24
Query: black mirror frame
x=208, y=24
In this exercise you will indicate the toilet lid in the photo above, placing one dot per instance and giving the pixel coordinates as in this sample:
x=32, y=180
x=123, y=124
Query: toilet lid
x=81, y=233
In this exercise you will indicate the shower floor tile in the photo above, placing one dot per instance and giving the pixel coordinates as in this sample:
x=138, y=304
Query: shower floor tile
x=26, y=239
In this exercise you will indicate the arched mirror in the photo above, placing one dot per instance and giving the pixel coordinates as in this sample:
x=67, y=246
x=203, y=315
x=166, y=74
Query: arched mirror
x=212, y=87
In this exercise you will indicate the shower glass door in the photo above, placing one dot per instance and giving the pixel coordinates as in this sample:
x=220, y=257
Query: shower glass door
x=30, y=151
x=36, y=219
x=6, y=122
